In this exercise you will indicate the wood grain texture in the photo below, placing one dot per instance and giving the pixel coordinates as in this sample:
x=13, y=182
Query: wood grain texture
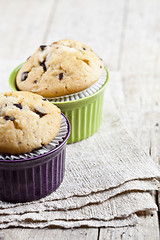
x=140, y=71
x=146, y=230
x=49, y=234
x=22, y=28
x=96, y=23
x=137, y=96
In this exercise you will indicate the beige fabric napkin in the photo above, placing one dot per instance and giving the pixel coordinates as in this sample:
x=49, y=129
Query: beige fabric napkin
x=76, y=202
x=129, y=221
x=119, y=207
x=98, y=169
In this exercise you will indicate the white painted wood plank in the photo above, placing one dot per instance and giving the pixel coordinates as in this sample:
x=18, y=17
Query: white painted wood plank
x=135, y=89
x=146, y=230
x=49, y=234
x=97, y=23
x=140, y=69
x=22, y=28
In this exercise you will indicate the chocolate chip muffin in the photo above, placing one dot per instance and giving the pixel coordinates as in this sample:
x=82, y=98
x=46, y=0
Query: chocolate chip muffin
x=27, y=121
x=59, y=69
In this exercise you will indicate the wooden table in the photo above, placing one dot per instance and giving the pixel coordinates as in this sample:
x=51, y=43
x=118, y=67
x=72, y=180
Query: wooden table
x=126, y=34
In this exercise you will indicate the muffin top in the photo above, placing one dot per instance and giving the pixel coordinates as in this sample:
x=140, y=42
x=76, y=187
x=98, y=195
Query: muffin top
x=59, y=69
x=27, y=121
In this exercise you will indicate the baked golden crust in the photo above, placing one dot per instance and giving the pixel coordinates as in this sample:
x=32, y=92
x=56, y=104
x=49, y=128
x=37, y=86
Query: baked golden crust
x=62, y=68
x=27, y=121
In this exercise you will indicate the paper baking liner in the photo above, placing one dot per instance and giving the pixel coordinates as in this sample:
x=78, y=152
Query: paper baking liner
x=85, y=93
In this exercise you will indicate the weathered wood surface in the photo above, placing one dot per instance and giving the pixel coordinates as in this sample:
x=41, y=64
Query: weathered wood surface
x=49, y=234
x=126, y=34
x=148, y=229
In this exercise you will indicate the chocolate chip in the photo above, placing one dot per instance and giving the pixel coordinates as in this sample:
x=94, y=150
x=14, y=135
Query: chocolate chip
x=44, y=99
x=42, y=47
x=60, y=76
x=18, y=105
x=100, y=66
x=35, y=81
x=41, y=114
x=9, y=118
x=24, y=76
x=86, y=61
x=84, y=48
x=42, y=64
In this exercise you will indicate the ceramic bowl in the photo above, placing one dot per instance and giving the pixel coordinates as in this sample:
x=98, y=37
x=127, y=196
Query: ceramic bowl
x=85, y=114
x=29, y=179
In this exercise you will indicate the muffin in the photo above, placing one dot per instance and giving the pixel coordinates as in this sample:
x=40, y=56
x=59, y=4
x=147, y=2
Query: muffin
x=62, y=68
x=27, y=122
x=71, y=76
x=33, y=141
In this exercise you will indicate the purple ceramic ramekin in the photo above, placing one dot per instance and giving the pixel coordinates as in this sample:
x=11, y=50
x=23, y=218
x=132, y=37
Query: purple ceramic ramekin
x=30, y=179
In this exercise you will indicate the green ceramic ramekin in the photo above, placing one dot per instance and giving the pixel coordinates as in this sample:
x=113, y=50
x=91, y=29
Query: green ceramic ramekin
x=85, y=114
